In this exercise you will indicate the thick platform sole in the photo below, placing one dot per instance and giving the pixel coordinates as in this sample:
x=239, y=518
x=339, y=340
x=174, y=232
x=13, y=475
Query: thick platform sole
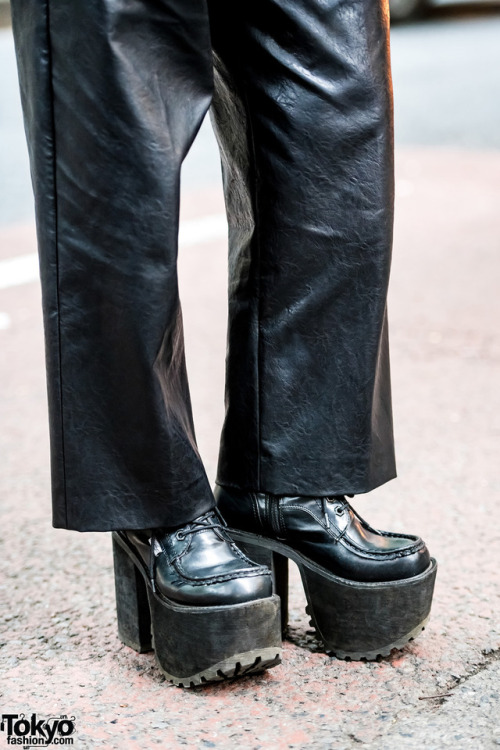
x=354, y=620
x=193, y=645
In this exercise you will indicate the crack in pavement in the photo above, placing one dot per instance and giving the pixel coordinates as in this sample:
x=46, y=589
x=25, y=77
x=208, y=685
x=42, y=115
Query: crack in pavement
x=491, y=655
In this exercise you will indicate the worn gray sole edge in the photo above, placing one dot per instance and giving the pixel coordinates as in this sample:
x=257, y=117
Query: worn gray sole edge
x=240, y=665
x=376, y=654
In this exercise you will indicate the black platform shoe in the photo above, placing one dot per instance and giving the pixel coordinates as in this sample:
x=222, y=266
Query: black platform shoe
x=368, y=591
x=191, y=595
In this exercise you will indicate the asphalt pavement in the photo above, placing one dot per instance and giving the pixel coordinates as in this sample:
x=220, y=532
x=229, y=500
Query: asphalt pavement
x=59, y=651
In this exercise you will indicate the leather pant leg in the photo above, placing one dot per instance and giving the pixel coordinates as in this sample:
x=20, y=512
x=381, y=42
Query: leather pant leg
x=303, y=112
x=113, y=93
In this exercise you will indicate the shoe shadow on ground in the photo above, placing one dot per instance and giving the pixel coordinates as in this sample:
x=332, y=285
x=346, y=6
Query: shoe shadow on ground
x=308, y=640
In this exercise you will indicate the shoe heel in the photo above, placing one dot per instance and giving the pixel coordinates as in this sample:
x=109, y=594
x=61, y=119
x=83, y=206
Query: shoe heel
x=367, y=620
x=278, y=564
x=132, y=606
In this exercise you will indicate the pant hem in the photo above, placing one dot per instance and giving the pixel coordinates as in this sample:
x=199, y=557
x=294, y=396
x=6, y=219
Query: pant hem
x=312, y=490
x=133, y=519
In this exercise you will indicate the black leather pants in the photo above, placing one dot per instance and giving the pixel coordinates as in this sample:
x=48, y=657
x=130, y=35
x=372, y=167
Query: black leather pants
x=114, y=92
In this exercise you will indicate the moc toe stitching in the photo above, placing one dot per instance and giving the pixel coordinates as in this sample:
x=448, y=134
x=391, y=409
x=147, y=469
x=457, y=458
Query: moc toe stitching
x=221, y=577
x=386, y=554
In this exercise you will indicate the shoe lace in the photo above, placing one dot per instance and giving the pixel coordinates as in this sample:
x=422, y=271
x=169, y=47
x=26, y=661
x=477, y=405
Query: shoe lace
x=209, y=520
x=212, y=519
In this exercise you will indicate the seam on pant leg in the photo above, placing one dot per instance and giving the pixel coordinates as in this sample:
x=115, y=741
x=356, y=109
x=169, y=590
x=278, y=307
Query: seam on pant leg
x=257, y=287
x=50, y=86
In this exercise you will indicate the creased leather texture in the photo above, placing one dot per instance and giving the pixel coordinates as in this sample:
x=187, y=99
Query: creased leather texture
x=329, y=532
x=199, y=565
x=113, y=93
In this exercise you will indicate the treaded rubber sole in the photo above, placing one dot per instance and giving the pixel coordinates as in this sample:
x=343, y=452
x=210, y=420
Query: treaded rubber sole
x=374, y=655
x=250, y=663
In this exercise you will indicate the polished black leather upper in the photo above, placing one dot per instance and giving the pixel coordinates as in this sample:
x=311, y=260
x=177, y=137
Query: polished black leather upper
x=328, y=531
x=198, y=564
